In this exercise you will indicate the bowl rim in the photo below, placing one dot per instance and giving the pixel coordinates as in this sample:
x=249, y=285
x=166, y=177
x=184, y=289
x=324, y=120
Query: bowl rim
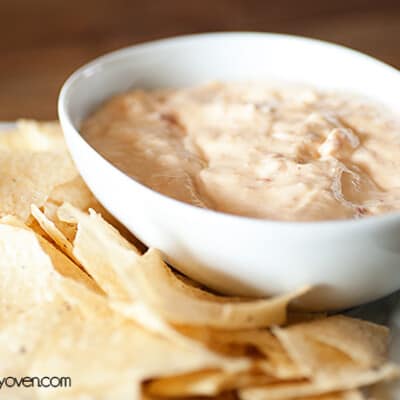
x=111, y=57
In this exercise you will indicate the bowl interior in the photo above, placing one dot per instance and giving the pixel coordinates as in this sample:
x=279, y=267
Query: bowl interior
x=185, y=61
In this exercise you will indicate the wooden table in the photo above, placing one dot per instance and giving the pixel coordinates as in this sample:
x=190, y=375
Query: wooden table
x=43, y=41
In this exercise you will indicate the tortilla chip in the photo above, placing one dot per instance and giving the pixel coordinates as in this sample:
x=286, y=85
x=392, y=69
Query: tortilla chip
x=68, y=230
x=181, y=304
x=231, y=395
x=334, y=344
x=94, y=237
x=343, y=382
x=92, y=225
x=27, y=275
x=128, y=353
x=65, y=267
x=33, y=161
x=204, y=383
x=147, y=318
x=265, y=351
x=32, y=136
x=212, y=383
x=20, y=339
x=297, y=317
x=100, y=249
x=52, y=231
x=347, y=395
x=28, y=296
x=13, y=221
x=77, y=194
x=18, y=239
x=23, y=181
x=259, y=344
x=47, y=328
x=330, y=361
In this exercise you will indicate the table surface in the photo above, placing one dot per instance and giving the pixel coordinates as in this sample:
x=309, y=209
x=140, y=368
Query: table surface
x=43, y=41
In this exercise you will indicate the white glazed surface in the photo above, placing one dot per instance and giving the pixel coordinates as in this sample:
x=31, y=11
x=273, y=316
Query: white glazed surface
x=351, y=261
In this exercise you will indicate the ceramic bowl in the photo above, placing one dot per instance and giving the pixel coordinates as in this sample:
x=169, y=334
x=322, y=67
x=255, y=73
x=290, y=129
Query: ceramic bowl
x=349, y=261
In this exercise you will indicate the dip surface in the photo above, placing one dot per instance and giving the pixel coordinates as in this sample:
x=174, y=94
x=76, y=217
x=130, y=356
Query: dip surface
x=281, y=153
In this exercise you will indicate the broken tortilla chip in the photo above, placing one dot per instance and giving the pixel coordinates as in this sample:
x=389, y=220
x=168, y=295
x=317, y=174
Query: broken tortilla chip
x=50, y=228
x=178, y=303
x=100, y=249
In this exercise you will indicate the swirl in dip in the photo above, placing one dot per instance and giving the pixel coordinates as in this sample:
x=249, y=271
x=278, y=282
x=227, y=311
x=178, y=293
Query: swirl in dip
x=276, y=152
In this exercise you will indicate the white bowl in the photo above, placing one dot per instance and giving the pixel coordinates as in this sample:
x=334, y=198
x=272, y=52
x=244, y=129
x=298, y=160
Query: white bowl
x=351, y=261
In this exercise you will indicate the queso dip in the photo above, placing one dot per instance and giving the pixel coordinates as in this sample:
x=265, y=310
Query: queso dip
x=274, y=152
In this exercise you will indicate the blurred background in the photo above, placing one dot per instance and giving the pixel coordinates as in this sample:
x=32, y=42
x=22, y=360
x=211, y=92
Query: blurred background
x=43, y=41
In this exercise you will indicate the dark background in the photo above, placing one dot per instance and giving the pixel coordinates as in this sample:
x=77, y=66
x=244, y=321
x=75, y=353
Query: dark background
x=43, y=41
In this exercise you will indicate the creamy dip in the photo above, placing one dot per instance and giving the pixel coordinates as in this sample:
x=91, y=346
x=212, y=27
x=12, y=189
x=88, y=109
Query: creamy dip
x=282, y=153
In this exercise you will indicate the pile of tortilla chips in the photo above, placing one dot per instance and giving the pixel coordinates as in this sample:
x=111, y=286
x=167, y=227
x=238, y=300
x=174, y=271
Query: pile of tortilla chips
x=78, y=300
